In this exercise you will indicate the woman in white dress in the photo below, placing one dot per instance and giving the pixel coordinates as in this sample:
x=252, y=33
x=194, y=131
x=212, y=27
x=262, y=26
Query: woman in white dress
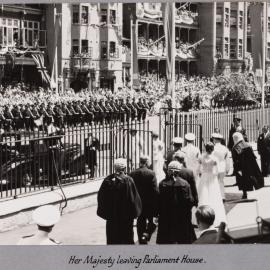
x=158, y=157
x=208, y=187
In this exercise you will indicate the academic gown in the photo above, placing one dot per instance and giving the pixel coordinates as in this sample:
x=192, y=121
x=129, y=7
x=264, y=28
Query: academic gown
x=119, y=204
x=175, y=203
x=245, y=162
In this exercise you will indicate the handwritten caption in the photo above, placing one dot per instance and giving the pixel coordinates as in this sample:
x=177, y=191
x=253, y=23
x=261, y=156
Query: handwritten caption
x=136, y=262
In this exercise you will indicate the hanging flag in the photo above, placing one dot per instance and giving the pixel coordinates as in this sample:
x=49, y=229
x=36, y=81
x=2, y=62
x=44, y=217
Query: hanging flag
x=135, y=69
x=256, y=10
x=10, y=60
x=168, y=15
x=39, y=60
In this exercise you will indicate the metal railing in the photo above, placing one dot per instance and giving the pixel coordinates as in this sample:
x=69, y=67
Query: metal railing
x=34, y=161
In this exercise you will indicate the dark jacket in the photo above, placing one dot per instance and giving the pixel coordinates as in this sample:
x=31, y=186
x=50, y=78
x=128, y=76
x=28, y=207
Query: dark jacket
x=208, y=237
x=245, y=162
x=175, y=203
x=146, y=184
x=188, y=175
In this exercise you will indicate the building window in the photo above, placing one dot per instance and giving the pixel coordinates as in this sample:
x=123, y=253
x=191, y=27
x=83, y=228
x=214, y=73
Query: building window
x=103, y=49
x=233, y=19
x=75, y=13
x=112, y=49
x=268, y=25
x=103, y=16
x=218, y=47
x=84, y=47
x=84, y=15
x=233, y=47
x=75, y=47
x=226, y=47
x=268, y=50
x=227, y=17
x=112, y=16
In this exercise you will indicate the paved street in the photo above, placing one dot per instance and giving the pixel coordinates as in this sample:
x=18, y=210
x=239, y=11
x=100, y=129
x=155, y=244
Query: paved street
x=84, y=227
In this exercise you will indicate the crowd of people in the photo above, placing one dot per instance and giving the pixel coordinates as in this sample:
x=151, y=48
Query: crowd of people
x=27, y=107
x=188, y=191
x=152, y=47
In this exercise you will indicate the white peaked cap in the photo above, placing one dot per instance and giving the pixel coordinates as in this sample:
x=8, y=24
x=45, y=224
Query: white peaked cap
x=46, y=216
x=178, y=140
x=190, y=137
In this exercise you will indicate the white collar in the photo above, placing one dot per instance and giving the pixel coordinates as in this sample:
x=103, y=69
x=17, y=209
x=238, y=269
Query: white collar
x=211, y=228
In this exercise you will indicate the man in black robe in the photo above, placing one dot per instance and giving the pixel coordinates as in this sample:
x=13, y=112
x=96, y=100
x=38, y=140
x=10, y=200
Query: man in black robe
x=119, y=204
x=263, y=146
x=146, y=184
x=236, y=127
x=175, y=203
x=248, y=173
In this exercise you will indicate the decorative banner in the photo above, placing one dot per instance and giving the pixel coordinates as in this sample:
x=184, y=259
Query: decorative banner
x=169, y=30
x=257, y=35
x=39, y=60
x=10, y=60
x=136, y=82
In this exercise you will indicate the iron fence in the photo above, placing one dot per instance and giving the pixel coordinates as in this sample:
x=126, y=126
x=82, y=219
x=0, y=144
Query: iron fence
x=37, y=161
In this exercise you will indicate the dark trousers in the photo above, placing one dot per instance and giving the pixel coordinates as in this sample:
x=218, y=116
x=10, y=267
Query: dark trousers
x=119, y=232
x=145, y=225
x=265, y=165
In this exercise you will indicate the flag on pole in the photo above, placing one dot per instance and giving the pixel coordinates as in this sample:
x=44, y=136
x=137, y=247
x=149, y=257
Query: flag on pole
x=39, y=61
x=168, y=15
x=135, y=69
x=256, y=10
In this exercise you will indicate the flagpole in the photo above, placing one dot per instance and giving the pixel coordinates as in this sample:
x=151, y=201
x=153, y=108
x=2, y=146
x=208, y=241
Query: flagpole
x=173, y=55
x=131, y=51
x=263, y=52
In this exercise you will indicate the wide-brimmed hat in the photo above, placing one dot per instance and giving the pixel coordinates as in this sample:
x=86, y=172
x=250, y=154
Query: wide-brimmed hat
x=190, y=137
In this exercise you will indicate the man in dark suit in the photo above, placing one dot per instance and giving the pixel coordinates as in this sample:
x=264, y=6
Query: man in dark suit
x=187, y=175
x=146, y=184
x=263, y=146
x=205, y=216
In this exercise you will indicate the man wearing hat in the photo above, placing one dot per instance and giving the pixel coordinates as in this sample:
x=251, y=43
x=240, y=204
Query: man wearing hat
x=175, y=203
x=177, y=146
x=146, y=184
x=247, y=171
x=45, y=217
x=119, y=204
x=192, y=154
x=221, y=153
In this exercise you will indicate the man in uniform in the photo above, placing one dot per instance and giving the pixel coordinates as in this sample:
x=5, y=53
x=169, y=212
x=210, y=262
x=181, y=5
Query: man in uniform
x=263, y=146
x=177, y=146
x=45, y=217
x=119, y=204
x=192, y=154
x=146, y=184
x=221, y=152
x=132, y=109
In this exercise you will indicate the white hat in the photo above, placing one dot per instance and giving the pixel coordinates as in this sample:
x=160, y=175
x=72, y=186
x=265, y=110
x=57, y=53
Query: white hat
x=217, y=136
x=237, y=137
x=174, y=166
x=190, y=137
x=46, y=216
x=120, y=163
x=178, y=140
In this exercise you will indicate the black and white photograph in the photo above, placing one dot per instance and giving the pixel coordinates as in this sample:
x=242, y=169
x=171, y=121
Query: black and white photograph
x=139, y=123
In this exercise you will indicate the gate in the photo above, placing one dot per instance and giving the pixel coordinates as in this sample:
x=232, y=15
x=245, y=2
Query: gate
x=177, y=125
x=131, y=142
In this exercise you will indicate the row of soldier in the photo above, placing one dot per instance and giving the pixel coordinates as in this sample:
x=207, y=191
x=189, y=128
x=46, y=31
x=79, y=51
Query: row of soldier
x=73, y=113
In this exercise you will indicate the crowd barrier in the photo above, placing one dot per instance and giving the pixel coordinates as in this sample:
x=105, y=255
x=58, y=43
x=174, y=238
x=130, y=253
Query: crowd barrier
x=36, y=161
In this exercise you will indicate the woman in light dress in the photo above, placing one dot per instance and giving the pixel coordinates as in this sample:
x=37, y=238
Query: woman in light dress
x=158, y=157
x=208, y=187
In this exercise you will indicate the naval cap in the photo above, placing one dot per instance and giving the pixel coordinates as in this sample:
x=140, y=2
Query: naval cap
x=46, y=216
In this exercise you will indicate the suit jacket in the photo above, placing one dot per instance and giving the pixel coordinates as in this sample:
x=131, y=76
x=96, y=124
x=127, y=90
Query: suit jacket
x=208, y=237
x=188, y=175
x=263, y=144
x=146, y=184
